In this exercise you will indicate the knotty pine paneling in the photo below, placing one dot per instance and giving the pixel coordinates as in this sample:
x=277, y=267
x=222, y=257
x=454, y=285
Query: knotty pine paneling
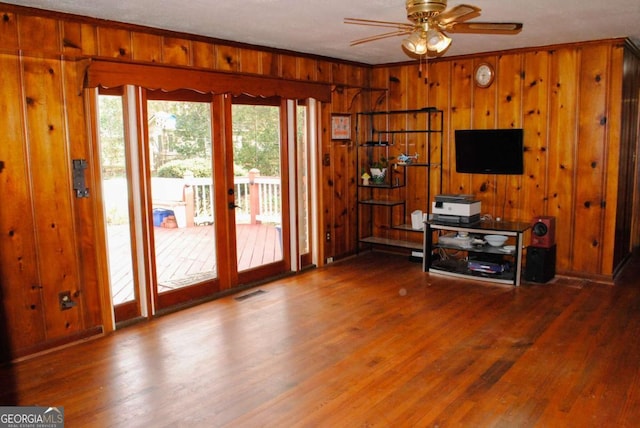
x=485, y=116
x=438, y=78
x=71, y=38
x=52, y=192
x=508, y=190
x=459, y=89
x=289, y=66
x=114, y=43
x=534, y=81
x=39, y=34
x=564, y=98
x=21, y=286
x=84, y=218
x=629, y=193
x=227, y=58
x=176, y=51
x=250, y=61
x=307, y=69
x=590, y=158
x=615, y=163
x=8, y=32
x=561, y=173
x=324, y=71
x=202, y=54
x=146, y=47
x=89, y=34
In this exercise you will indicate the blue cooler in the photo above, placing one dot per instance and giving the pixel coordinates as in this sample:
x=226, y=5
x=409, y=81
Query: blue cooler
x=159, y=214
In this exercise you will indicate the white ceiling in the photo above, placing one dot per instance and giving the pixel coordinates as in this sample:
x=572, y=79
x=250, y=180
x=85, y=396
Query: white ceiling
x=316, y=26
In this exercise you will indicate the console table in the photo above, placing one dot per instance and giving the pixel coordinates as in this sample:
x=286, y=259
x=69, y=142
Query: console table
x=458, y=266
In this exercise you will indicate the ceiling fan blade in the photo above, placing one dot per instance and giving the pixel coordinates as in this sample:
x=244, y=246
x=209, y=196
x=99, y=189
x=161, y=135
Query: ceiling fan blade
x=381, y=36
x=485, y=27
x=458, y=13
x=373, y=23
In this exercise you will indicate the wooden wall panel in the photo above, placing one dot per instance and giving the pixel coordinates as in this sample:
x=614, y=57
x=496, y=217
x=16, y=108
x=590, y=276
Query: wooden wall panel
x=561, y=174
x=535, y=111
x=89, y=35
x=323, y=71
x=19, y=281
x=289, y=66
x=270, y=64
x=509, y=191
x=51, y=190
x=71, y=38
x=484, y=116
x=461, y=111
x=339, y=74
x=87, y=284
x=146, y=47
x=307, y=69
x=415, y=194
x=630, y=141
x=616, y=167
x=202, y=54
x=38, y=34
x=227, y=58
x=439, y=97
x=114, y=43
x=590, y=156
x=250, y=61
x=176, y=51
x=8, y=32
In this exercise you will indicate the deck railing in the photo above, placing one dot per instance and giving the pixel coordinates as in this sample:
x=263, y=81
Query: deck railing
x=257, y=199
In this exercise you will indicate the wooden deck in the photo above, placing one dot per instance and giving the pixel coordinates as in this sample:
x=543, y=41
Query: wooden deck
x=187, y=255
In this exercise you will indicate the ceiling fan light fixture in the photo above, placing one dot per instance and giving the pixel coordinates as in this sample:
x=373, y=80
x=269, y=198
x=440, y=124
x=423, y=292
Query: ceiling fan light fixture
x=415, y=43
x=437, y=41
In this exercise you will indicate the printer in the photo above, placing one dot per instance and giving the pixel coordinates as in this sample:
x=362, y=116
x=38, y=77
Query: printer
x=456, y=209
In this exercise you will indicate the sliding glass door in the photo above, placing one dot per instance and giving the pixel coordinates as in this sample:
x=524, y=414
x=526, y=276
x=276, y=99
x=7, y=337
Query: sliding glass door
x=190, y=212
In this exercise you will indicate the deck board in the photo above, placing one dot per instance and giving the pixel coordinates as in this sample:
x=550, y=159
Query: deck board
x=188, y=255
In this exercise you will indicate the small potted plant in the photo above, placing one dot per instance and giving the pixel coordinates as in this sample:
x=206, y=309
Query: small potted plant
x=365, y=177
x=378, y=169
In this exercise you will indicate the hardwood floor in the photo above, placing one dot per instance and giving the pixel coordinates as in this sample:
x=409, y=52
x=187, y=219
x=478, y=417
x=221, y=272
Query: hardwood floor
x=370, y=341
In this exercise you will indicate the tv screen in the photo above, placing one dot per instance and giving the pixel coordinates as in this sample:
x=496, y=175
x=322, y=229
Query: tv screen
x=489, y=151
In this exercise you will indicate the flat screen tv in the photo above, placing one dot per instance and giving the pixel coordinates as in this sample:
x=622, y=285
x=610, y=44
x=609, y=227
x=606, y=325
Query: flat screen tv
x=489, y=151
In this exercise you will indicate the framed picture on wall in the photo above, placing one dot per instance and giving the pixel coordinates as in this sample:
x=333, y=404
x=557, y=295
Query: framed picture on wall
x=340, y=126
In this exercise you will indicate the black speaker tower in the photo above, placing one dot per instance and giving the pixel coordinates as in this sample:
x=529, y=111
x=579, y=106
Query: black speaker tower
x=541, y=264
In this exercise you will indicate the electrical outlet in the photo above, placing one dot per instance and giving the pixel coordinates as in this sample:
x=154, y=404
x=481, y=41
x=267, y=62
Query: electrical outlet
x=64, y=298
x=329, y=260
x=328, y=236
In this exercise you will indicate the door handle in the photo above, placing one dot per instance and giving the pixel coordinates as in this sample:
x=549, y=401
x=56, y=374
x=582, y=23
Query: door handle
x=232, y=205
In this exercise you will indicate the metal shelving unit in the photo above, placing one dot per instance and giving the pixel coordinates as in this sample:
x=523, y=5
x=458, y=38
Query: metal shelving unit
x=384, y=209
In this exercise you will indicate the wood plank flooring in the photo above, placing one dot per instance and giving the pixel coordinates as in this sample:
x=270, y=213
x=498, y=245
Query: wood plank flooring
x=370, y=341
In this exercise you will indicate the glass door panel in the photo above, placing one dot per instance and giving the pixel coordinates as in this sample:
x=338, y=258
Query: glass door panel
x=257, y=185
x=302, y=188
x=180, y=163
x=115, y=174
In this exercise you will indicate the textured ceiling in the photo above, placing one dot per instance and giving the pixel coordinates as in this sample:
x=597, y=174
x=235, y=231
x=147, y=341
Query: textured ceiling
x=316, y=26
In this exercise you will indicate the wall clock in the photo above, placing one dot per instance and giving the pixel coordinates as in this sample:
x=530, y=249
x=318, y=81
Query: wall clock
x=484, y=75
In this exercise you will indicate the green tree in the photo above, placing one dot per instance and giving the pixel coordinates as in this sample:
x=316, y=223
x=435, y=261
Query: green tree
x=111, y=135
x=256, y=137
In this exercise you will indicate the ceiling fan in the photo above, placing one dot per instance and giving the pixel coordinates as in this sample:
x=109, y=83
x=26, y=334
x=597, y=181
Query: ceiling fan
x=426, y=34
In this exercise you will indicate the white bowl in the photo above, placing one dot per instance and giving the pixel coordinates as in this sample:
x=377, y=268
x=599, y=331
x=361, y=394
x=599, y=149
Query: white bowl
x=496, y=240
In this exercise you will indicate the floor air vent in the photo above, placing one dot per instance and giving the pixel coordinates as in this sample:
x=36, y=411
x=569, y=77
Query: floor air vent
x=249, y=295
